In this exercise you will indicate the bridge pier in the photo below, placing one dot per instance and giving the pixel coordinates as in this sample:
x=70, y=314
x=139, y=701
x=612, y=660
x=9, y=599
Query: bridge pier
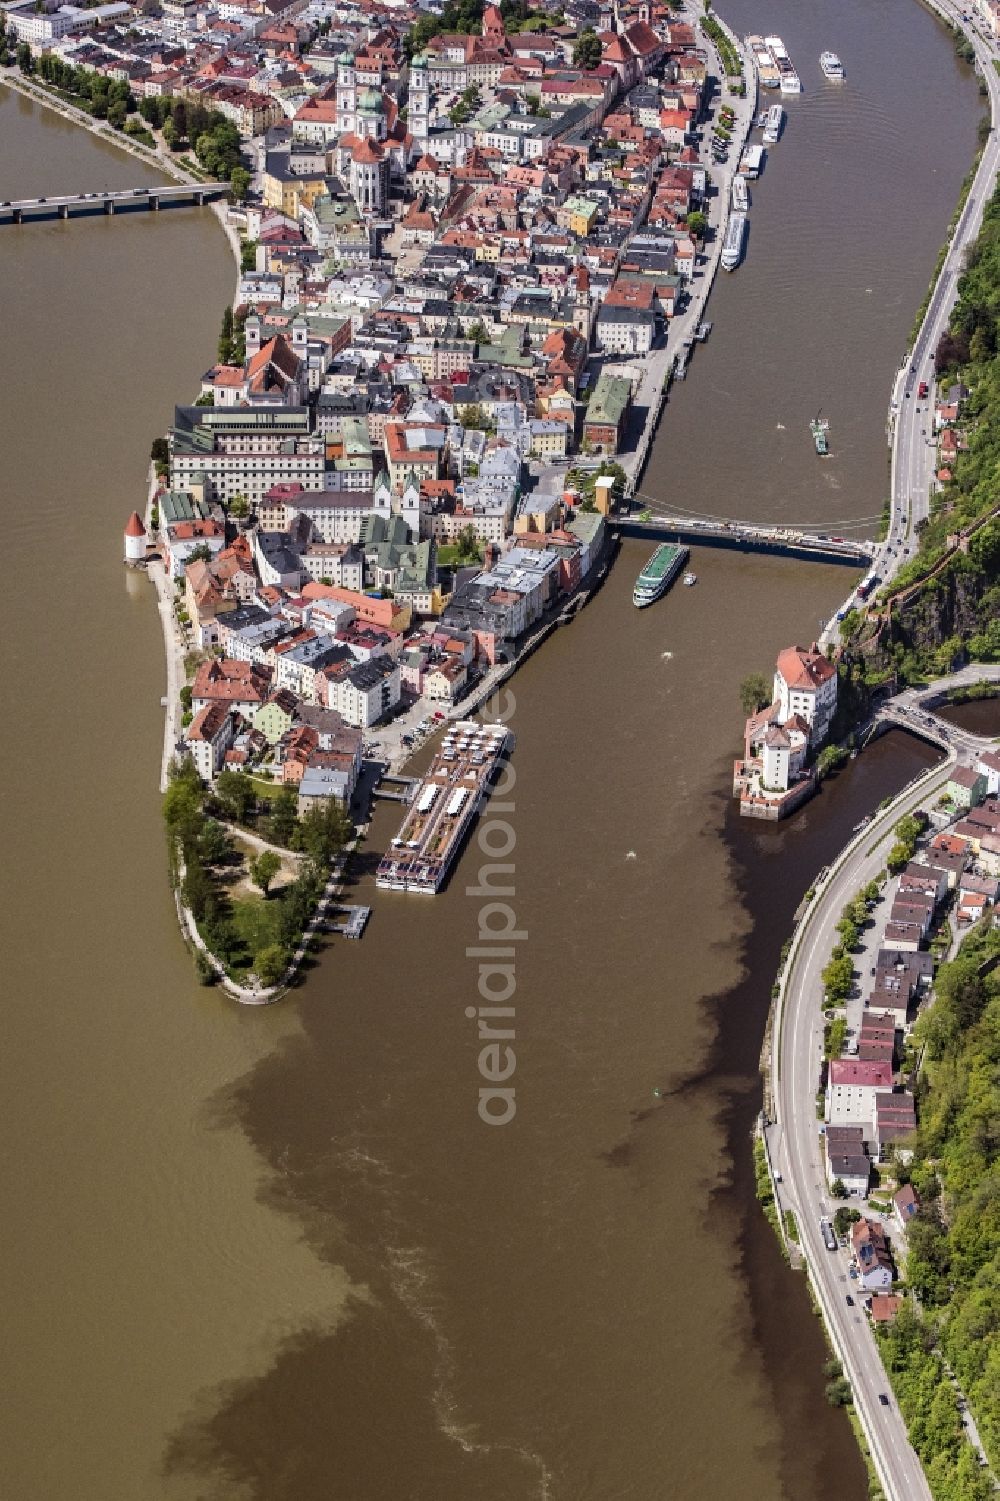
x=64, y=210
x=18, y=215
x=154, y=202
x=109, y=205
x=199, y=199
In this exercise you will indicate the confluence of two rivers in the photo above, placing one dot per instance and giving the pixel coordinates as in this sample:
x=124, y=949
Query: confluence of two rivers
x=274, y=1254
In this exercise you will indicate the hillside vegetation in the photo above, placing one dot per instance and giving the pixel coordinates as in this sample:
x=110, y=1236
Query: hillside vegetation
x=953, y=1245
x=945, y=603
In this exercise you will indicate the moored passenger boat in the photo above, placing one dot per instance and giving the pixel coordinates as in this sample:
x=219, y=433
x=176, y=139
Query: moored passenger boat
x=774, y=123
x=659, y=573
x=732, y=247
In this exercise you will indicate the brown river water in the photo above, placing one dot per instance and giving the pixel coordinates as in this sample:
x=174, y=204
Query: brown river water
x=276, y=1254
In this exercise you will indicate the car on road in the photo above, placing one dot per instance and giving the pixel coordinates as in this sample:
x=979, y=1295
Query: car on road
x=923, y=388
x=850, y=1301
x=883, y=1399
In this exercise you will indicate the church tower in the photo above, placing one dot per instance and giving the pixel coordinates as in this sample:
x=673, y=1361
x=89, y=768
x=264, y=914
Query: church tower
x=346, y=92
x=419, y=104
x=581, y=303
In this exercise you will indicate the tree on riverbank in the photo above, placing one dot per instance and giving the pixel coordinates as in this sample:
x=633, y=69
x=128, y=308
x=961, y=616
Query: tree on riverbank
x=697, y=224
x=755, y=693
x=236, y=929
x=225, y=346
x=270, y=964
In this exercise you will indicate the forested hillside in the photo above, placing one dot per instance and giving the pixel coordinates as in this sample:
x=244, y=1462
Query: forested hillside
x=944, y=606
x=953, y=1258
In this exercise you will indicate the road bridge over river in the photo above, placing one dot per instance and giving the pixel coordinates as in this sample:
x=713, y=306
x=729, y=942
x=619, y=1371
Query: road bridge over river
x=15, y=211
x=744, y=536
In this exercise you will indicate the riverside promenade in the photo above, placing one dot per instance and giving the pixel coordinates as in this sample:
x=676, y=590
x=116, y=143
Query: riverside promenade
x=649, y=396
x=153, y=155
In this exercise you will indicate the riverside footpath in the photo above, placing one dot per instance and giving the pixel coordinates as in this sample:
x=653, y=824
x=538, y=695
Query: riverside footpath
x=650, y=394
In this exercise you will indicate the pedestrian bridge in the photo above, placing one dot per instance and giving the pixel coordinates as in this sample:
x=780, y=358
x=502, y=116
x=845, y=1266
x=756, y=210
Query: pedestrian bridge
x=742, y=536
x=16, y=211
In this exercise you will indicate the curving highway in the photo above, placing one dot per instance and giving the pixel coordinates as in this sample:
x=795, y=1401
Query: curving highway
x=794, y=1141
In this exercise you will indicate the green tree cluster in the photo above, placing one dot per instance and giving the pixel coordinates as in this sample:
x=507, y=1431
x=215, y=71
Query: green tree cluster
x=838, y=977
x=587, y=50
x=242, y=936
x=105, y=98
x=232, y=345
x=907, y=831
x=953, y=1244
x=755, y=693
x=464, y=17
x=956, y=614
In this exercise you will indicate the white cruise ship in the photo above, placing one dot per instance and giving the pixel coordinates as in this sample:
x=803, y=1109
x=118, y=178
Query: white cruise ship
x=831, y=65
x=773, y=124
x=767, y=70
x=790, y=81
x=732, y=247
x=741, y=194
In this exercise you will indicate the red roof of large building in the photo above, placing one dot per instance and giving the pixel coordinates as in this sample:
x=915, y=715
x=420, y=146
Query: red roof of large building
x=852, y=1071
x=805, y=670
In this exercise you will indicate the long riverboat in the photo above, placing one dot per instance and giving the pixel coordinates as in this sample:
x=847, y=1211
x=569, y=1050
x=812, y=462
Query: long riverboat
x=767, y=71
x=789, y=81
x=446, y=802
x=732, y=246
x=740, y=194
x=831, y=65
x=659, y=573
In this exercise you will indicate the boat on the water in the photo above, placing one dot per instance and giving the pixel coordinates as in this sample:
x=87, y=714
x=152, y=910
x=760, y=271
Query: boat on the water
x=775, y=121
x=752, y=164
x=659, y=573
x=819, y=427
x=767, y=69
x=740, y=194
x=690, y=579
x=732, y=246
x=702, y=332
x=788, y=80
x=831, y=65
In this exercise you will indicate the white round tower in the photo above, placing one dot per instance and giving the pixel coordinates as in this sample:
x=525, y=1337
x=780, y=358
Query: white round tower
x=135, y=539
